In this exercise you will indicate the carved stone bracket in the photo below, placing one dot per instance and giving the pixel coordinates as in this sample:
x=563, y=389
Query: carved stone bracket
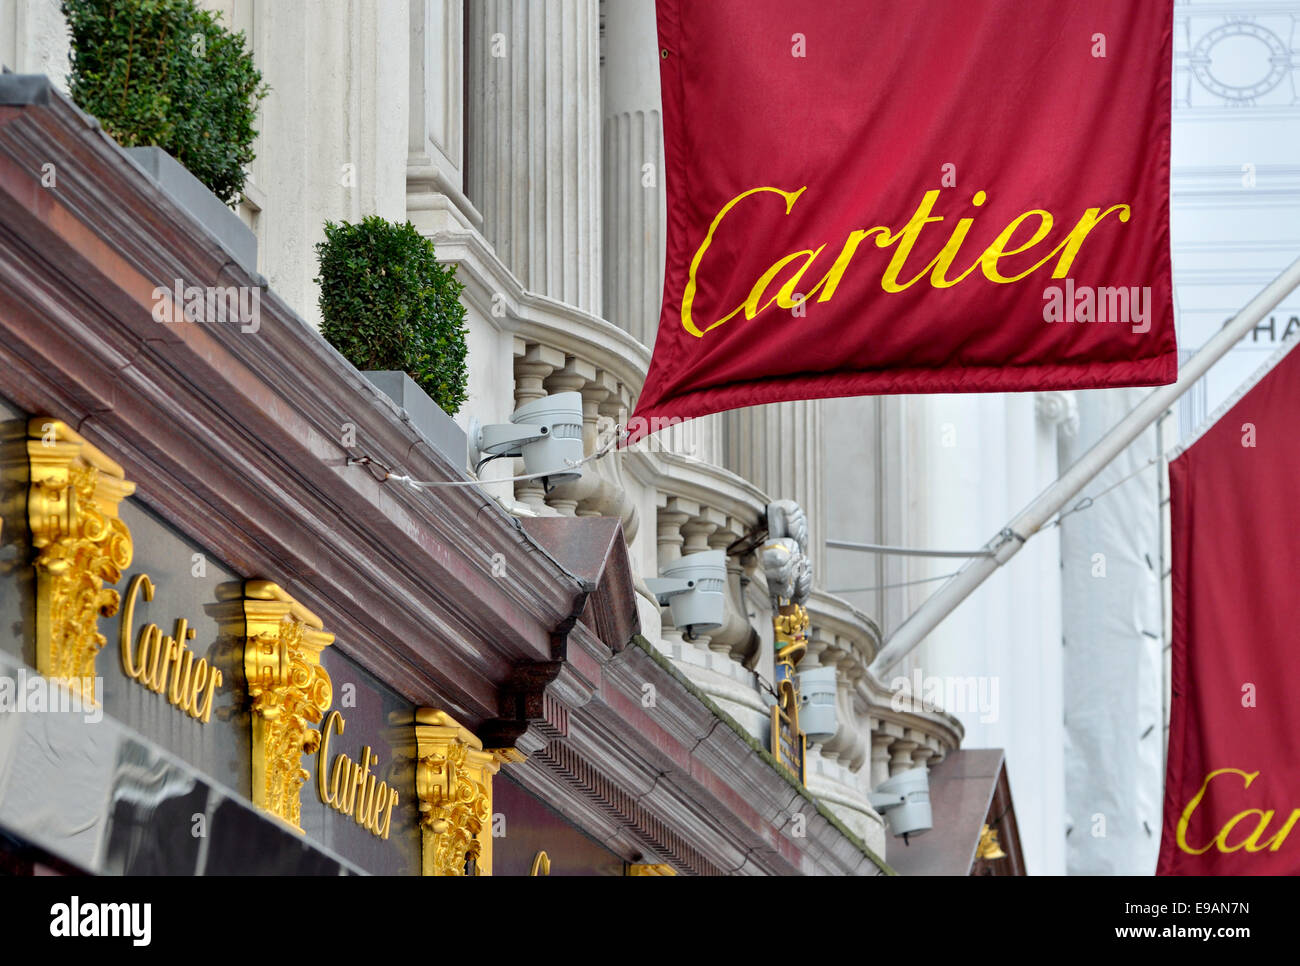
x=453, y=784
x=1059, y=409
x=527, y=706
x=79, y=547
x=289, y=690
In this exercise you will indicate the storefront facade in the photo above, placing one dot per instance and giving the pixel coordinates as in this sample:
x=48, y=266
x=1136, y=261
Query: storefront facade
x=282, y=661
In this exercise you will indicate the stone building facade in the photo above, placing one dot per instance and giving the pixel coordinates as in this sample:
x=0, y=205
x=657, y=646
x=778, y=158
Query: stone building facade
x=524, y=139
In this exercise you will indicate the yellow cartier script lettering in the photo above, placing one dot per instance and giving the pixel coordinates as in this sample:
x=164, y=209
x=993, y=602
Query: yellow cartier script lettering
x=1015, y=239
x=165, y=664
x=1220, y=842
x=349, y=787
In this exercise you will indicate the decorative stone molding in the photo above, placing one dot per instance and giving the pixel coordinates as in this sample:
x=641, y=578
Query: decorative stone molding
x=289, y=690
x=453, y=784
x=79, y=545
x=871, y=728
x=1060, y=409
x=1273, y=61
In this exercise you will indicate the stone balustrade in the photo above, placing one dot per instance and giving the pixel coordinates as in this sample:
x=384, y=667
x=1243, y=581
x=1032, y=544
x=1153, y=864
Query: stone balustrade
x=877, y=735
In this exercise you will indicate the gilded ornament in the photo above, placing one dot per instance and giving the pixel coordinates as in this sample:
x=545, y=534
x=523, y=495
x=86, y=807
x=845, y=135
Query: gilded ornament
x=289, y=692
x=988, y=847
x=79, y=545
x=453, y=784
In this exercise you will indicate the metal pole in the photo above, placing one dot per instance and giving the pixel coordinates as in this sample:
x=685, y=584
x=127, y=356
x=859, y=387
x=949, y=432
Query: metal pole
x=1166, y=569
x=1012, y=537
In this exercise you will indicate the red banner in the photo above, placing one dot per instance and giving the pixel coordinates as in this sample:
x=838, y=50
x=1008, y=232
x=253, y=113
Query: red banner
x=885, y=197
x=1232, y=784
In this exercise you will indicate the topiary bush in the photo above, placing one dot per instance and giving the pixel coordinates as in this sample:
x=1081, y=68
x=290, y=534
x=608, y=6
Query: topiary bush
x=166, y=73
x=387, y=303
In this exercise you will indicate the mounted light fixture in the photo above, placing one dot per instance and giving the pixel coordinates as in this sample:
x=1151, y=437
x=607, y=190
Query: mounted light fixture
x=904, y=799
x=817, y=715
x=546, y=432
x=692, y=588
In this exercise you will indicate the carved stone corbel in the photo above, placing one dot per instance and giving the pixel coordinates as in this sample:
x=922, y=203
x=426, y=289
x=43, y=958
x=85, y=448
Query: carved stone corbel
x=79, y=546
x=1059, y=409
x=453, y=785
x=289, y=691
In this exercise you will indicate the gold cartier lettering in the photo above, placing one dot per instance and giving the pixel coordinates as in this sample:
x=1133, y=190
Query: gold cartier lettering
x=1251, y=842
x=893, y=277
x=164, y=664
x=351, y=788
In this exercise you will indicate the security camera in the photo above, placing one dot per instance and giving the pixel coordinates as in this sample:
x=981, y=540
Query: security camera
x=817, y=716
x=546, y=432
x=692, y=588
x=904, y=799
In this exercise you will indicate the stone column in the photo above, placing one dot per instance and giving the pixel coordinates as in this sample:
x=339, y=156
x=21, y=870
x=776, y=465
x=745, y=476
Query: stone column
x=634, y=199
x=778, y=448
x=534, y=134
x=634, y=196
x=900, y=753
x=880, y=742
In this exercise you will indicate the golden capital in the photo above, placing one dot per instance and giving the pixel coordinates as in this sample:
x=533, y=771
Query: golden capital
x=79, y=545
x=453, y=784
x=289, y=693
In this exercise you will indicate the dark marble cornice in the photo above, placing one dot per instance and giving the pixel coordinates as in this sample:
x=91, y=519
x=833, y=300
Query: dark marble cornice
x=235, y=437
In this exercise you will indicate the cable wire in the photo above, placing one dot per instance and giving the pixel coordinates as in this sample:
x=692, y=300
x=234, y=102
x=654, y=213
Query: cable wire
x=1087, y=502
x=906, y=583
x=429, y=484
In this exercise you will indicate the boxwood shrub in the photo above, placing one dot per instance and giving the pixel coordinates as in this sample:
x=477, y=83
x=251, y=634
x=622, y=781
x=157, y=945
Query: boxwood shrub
x=166, y=73
x=386, y=303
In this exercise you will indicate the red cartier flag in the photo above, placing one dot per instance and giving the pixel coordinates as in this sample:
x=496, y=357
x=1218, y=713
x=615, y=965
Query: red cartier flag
x=920, y=175
x=1232, y=782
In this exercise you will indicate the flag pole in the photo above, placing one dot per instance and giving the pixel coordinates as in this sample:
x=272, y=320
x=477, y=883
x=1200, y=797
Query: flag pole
x=1013, y=536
